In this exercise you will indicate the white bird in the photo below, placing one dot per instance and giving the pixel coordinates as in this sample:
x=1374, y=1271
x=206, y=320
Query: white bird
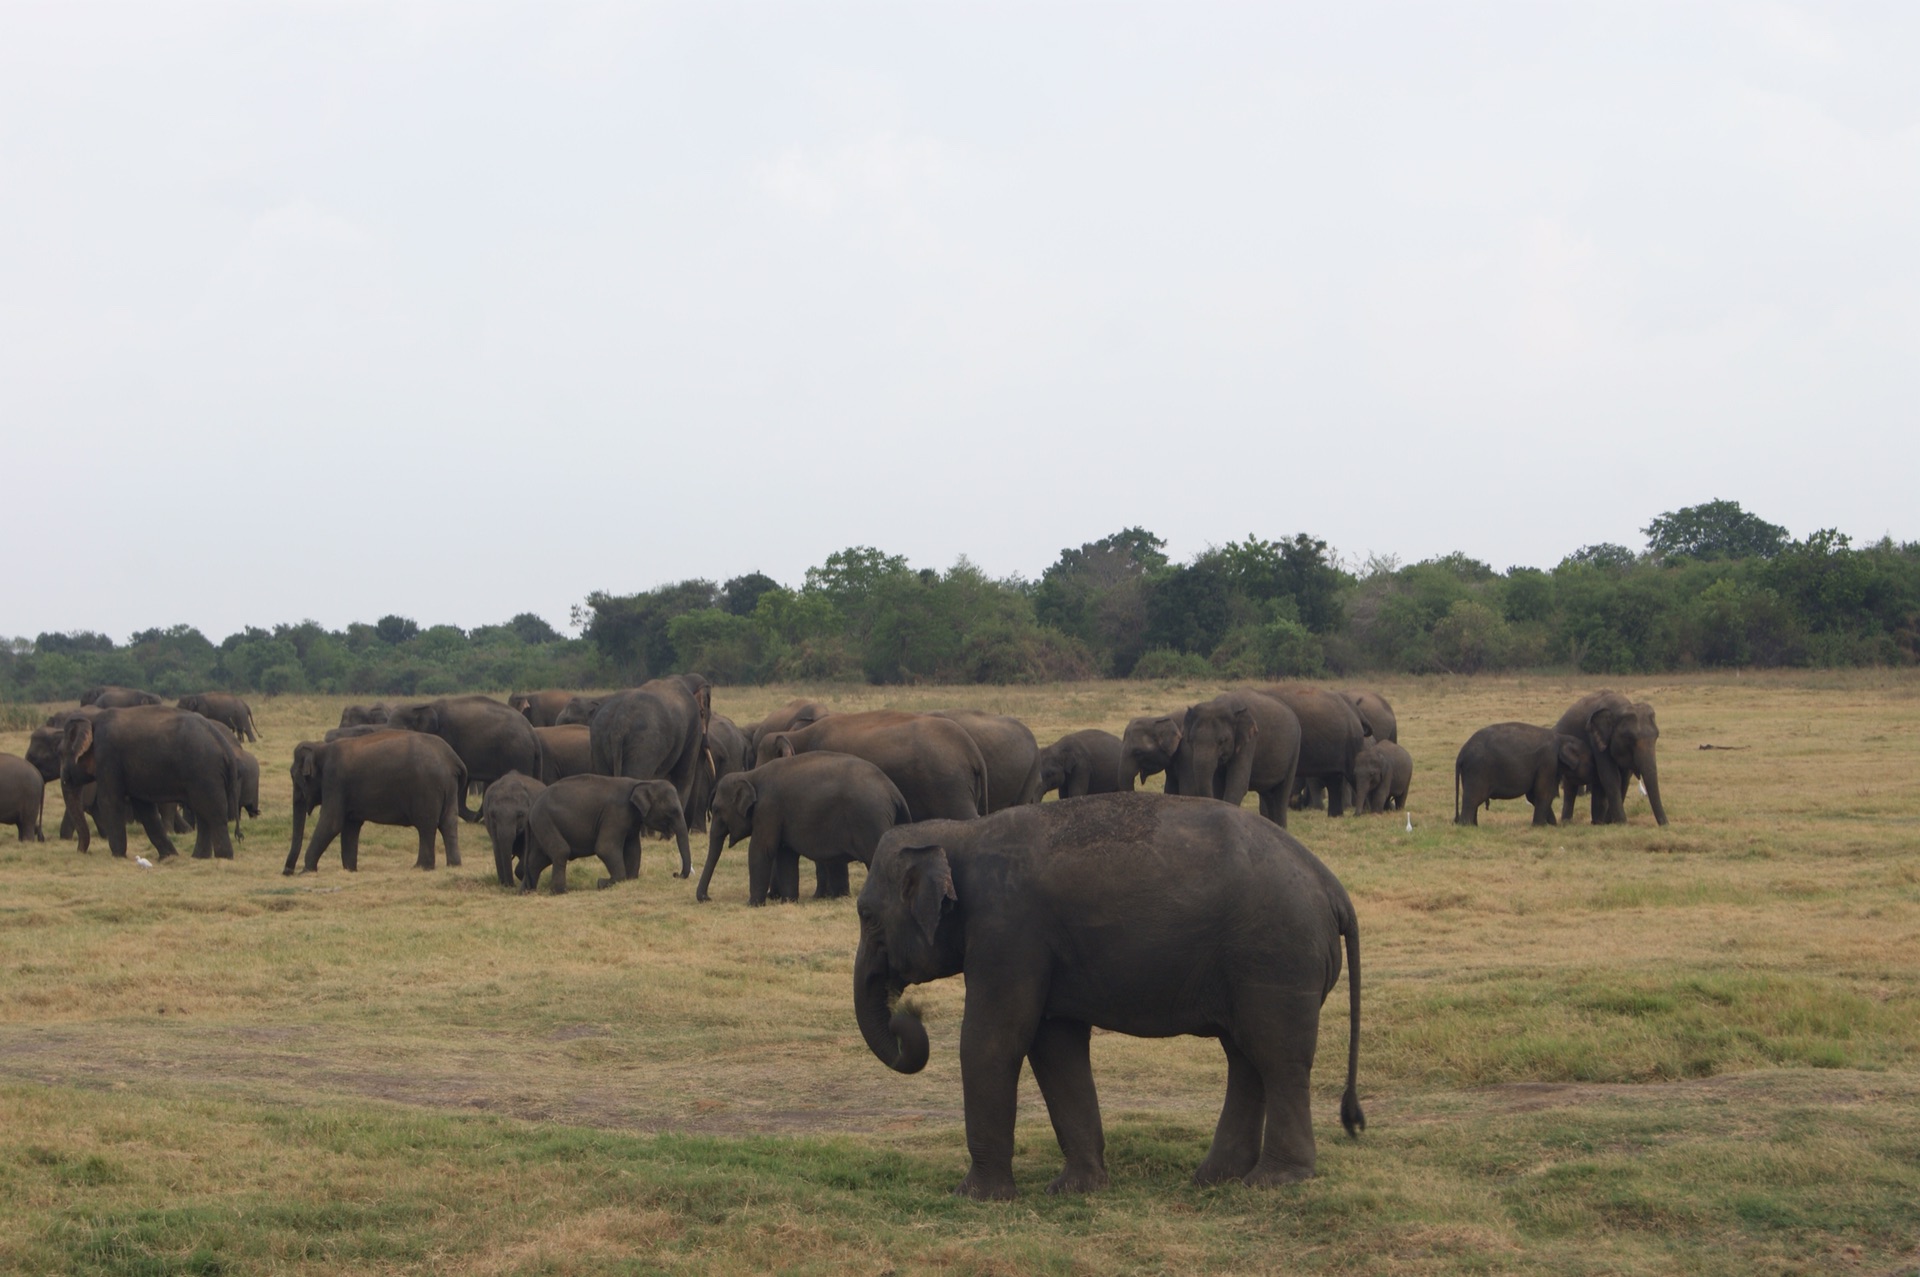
x=1409, y=822
x=143, y=862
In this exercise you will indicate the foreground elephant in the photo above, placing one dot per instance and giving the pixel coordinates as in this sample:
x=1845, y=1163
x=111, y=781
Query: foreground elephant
x=393, y=777
x=1081, y=763
x=108, y=696
x=141, y=757
x=1376, y=716
x=490, y=738
x=1135, y=913
x=1516, y=760
x=507, y=813
x=541, y=709
x=1331, y=735
x=23, y=792
x=224, y=708
x=602, y=816
x=1622, y=735
x=932, y=760
x=1240, y=742
x=1010, y=752
x=830, y=808
x=1382, y=773
x=564, y=751
x=652, y=732
x=1149, y=747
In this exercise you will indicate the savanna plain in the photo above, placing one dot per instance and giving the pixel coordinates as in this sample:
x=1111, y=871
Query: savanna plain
x=1584, y=1050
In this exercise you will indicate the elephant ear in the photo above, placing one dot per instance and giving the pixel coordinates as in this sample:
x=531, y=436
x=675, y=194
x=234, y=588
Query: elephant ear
x=1245, y=730
x=1600, y=729
x=926, y=886
x=1168, y=733
x=78, y=745
x=307, y=763
x=657, y=802
x=782, y=745
x=1574, y=758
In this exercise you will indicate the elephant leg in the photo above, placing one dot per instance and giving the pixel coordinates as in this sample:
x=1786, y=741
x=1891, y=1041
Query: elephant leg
x=760, y=855
x=1236, y=1139
x=995, y=1037
x=350, y=845
x=202, y=842
x=450, y=836
x=786, y=874
x=150, y=820
x=424, y=858
x=1542, y=800
x=1281, y=1045
x=325, y=830
x=1064, y=1070
x=830, y=879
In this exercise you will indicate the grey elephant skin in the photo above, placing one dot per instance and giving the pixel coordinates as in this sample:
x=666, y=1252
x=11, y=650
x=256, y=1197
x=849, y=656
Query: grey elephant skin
x=109, y=696
x=140, y=757
x=1136, y=913
x=601, y=816
x=1011, y=754
x=1382, y=771
x=224, y=708
x=391, y=777
x=792, y=716
x=564, y=751
x=1515, y=760
x=541, y=709
x=653, y=732
x=1148, y=747
x=1237, y=743
x=934, y=763
x=23, y=793
x=1081, y=763
x=581, y=710
x=489, y=736
x=830, y=808
x=1377, y=718
x=507, y=812
x=1331, y=737
x=1622, y=734
x=726, y=750
x=374, y=715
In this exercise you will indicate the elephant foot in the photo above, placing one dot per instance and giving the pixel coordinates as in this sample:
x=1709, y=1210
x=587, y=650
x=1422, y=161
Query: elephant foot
x=604, y=883
x=453, y=860
x=165, y=855
x=1218, y=1170
x=202, y=855
x=287, y=873
x=223, y=855
x=982, y=1187
x=1079, y=1179
x=1274, y=1176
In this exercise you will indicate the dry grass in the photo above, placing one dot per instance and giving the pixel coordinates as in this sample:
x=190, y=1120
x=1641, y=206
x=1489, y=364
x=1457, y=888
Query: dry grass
x=1621, y=1049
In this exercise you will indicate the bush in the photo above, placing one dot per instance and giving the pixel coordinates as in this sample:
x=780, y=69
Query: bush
x=1165, y=663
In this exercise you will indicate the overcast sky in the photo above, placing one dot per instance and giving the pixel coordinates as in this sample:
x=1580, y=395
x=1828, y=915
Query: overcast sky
x=457, y=310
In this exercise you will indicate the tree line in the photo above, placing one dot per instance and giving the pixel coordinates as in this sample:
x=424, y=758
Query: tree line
x=1716, y=586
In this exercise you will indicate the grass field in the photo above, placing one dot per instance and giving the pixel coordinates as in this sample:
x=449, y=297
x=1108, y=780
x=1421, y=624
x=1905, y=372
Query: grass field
x=1628, y=1049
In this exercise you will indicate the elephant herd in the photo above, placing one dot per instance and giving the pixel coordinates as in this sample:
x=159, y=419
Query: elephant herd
x=1600, y=743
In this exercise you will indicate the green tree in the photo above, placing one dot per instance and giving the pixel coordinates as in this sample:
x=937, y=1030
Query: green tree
x=1716, y=530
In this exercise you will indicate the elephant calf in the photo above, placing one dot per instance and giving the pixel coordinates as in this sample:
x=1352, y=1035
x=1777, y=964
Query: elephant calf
x=1515, y=760
x=1081, y=763
x=830, y=808
x=23, y=792
x=1382, y=772
x=507, y=812
x=603, y=816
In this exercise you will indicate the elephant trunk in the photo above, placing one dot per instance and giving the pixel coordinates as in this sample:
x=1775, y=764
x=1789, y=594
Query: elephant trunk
x=717, y=839
x=896, y=1038
x=686, y=851
x=1650, y=773
x=299, y=831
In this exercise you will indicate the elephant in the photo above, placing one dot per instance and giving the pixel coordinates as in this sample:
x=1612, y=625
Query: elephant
x=1149, y=747
x=508, y=805
x=358, y=729
x=223, y=708
x=1381, y=774
x=365, y=715
x=395, y=777
x=604, y=816
x=1330, y=738
x=580, y=710
x=248, y=768
x=726, y=751
x=23, y=792
x=108, y=696
x=656, y=731
x=1621, y=734
x=790, y=717
x=1011, y=754
x=1144, y=914
x=1516, y=760
x=490, y=738
x=1081, y=763
x=139, y=757
x=1237, y=742
x=932, y=760
x=830, y=808
x=564, y=751
x=1376, y=716
x=541, y=709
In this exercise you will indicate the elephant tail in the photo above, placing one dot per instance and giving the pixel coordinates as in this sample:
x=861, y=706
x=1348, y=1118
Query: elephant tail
x=463, y=784
x=1456, y=793
x=1350, y=1115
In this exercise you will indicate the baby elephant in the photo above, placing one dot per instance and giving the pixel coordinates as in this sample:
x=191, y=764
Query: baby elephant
x=1381, y=774
x=830, y=808
x=603, y=816
x=507, y=812
x=1516, y=760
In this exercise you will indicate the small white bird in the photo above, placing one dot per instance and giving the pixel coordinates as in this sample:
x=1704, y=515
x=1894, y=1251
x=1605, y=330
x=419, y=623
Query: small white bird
x=1409, y=822
x=143, y=862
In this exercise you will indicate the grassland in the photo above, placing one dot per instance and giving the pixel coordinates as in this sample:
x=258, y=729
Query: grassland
x=1631, y=1049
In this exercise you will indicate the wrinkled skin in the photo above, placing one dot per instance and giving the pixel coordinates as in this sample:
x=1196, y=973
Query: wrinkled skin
x=224, y=708
x=564, y=751
x=652, y=732
x=792, y=716
x=390, y=777
x=508, y=809
x=141, y=757
x=1622, y=735
x=1376, y=716
x=1010, y=752
x=931, y=760
x=602, y=816
x=111, y=697
x=540, y=709
x=23, y=792
x=1240, y=742
x=1136, y=913
x=1515, y=760
x=830, y=808
x=491, y=738
x=1081, y=763
x=725, y=752
x=1149, y=746
x=1330, y=738
x=1382, y=772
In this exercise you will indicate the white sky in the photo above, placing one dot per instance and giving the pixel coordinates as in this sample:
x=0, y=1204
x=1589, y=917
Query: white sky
x=458, y=310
